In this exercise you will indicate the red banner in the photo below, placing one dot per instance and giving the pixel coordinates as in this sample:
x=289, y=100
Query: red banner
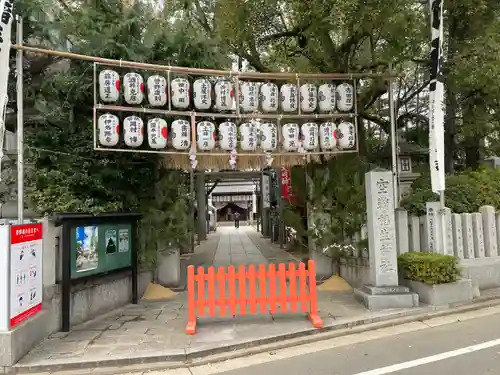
x=286, y=183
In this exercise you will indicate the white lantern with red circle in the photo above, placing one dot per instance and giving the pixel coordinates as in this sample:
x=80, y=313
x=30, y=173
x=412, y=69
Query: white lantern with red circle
x=223, y=95
x=309, y=136
x=268, y=136
x=326, y=97
x=291, y=137
x=133, y=88
x=157, y=91
x=202, y=93
x=181, y=135
x=227, y=136
x=327, y=135
x=346, y=135
x=248, y=134
x=109, y=86
x=289, y=97
x=308, y=98
x=249, y=97
x=109, y=130
x=157, y=133
x=270, y=97
x=133, y=131
x=205, y=135
x=179, y=95
x=345, y=97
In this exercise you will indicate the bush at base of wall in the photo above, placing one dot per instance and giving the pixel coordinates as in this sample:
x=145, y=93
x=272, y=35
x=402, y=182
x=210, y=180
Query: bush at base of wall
x=429, y=268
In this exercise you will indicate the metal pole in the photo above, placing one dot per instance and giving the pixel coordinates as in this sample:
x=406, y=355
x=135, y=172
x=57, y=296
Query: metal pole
x=191, y=201
x=20, y=127
x=394, y=155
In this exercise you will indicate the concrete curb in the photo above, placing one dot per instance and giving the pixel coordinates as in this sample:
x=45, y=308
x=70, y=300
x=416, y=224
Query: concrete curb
x=200, y=357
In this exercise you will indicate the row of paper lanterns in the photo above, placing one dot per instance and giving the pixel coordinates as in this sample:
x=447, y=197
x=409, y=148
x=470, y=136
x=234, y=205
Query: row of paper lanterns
x=253, y=96
x=308, y=136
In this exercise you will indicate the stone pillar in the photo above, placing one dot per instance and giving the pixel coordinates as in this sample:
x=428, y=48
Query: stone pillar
x=490, y=230
x=477, y=227
x=450, y=243
x=457, y=233
x=201, y=204
x=434, y=228
x=414, y=233
x=468, y=236
x=402, y=231
x=424, y=233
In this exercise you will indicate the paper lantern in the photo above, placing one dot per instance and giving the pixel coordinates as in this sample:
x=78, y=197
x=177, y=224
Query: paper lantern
x=109, y=86
x=326, y=97
x=269, y=136
x=181, y=135
x=133, y=131
x=223, y=96
x=133, y=88
x=346, y=136
x=109, y=129
x=288, y=97
x=202, y=93
x=249, y=97
x=157, y=91
x=227, y=136
x=308, y=98
x=248, y=133
x=205, y=135
x=309, y=136
x=290, y=133
x=327, y=140
x=345, y=97
x=270, y=97
x=179, y=88
x=157, y=133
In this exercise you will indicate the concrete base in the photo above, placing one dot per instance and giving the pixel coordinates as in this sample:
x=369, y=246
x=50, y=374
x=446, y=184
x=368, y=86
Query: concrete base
x=169, y=268
x=484, y=272
x=442, y=294
x=390, y=297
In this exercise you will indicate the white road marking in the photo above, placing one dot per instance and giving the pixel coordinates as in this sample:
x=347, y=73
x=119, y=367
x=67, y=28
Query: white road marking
x=431, y=359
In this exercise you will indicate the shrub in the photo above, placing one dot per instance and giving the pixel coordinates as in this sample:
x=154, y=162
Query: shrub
x=429, y=268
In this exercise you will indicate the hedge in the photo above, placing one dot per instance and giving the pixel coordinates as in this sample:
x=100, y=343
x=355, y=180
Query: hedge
x=429, y=268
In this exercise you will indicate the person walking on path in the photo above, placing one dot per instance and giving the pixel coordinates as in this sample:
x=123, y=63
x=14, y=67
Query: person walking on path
x=236, y=219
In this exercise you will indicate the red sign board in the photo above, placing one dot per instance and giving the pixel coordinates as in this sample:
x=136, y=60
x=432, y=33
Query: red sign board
x=286, y=183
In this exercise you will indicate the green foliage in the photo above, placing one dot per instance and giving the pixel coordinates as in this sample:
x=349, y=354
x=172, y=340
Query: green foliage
x=429, y=268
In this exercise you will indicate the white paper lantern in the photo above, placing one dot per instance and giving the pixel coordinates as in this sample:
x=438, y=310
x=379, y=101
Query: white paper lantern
x=109, y=86
x=288, y=97
x=205, y=135
x=157, y=91
x=227, y=136
x=345, y=97
x=223, y=96
x=248, y=133
x=179, y=95
x=346, y=136
x=157, y=133
x=133, y=88
x=327, y=140
x=133, y=131
x=290, y=133
x=308, y=98
x=202, y=93
x=109, y=129
x=309, y=136
x=326, y=97
x=270, y=97
x=181, y=134
x=249, y=97
x=268, y=136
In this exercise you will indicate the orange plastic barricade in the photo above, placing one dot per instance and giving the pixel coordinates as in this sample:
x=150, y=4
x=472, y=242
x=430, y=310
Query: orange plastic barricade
x=299, y=281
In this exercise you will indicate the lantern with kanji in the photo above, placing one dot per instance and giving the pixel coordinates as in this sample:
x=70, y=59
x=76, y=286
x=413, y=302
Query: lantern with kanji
x=270, y=97
x=327, y=140
x=288, y=97
x=133, y=88
x=346, y=136
x=179, y=88
x=248, y=133
x=202, y=93
x=157, y=91
x=268, y=136
x=181, y=135
x=345, y=97
x=109, y=128
x=109, y=86
x=133, y=131
x=309, y=136
x=205, y=135
x=326, y=97
x=223, y=95
x=291, y=134
x=227, y=136
x=308, y=98
x=157, y=133
x=249, y=97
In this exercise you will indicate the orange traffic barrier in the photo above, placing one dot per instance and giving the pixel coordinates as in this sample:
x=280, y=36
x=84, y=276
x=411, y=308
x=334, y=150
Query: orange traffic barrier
x=299, y=281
